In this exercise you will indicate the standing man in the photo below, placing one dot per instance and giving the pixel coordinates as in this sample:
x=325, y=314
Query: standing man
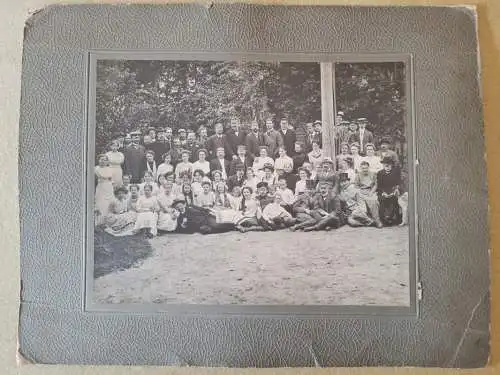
x=273, y=139
x=203, y=136
x=182, y=136
x=167, y=138
x=134, y=154
x=241, y=159
x=288, y=135
x=310, y=137
x=218, y=140
x=318, y=131
x=192, y=146
x=220, y=163
x=158, y=147
x=254, y=140
x=235, y=137
x=362, y=136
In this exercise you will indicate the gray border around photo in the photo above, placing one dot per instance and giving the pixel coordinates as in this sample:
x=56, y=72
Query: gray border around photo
x=276, y=310
x=452, y=326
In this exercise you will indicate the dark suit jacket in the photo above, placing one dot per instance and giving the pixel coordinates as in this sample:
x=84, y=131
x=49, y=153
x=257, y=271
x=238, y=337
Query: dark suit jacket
x=309, y=140
x=367, y=138
x=298, y=161
x=214, y=142
x=216, y=165
x=159, y=149
x=288, y=141
x=273, y=140
x=234, y=140
x=253, y=143
x=248, y=162
x=330, y=204
x=134, y=162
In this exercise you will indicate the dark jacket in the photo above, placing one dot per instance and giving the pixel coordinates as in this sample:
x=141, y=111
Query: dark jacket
x=234, y=140
x=247, y=163
x=289, y=141
x=214, y=142
x=254, y=142
x=216, y=165
x=273, y=141
x=159, y=148
x=133, y=164
x=367, y=138
x=298, y=161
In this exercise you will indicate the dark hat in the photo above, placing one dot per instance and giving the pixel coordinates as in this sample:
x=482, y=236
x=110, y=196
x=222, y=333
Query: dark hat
x=268, y=166
x=388, y=160
x=177, y=201
x=343, y=177
x=262, y=184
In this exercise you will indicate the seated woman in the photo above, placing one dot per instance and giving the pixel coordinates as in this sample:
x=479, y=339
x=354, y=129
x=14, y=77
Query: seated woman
x=316, y=155
x=147, y=213
x=149, y=180
x=187, y=195
x=202, y=163
x=283, y=160
x=301, y=185
x=198, y=175
x=120, y=220
x=206, y=198
x=247, y=220
x=356, y=157
x=388, y=180
x=276, y=215
x=235, y=198
x=269, y=177
x=366, y=183
x=223, y=210
x=184, y=166
x=251, y=180
x=196, y=219
x=133, y=197
x=260, y=161
x=216, y=179
x=166, y=166
x=167, y=216
x=373, y=160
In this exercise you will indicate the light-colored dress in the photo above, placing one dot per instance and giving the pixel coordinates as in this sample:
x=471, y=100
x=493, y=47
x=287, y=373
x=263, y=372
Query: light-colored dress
x=252, y=184
x=224, y=213
x=315, y=159
x=375, y=163
x=116, y=160
x=164, y=168
x=300, y=187
x=235, y=202
x=149, y=218
x=283, y=162
x=357, y=161
x=156, y=189
x=205, y=200
x=249, y=214
x=258, y=165
x=196, y=188
x=205, y=166
x=120, y=221
x=104, y=193
x=167, y=217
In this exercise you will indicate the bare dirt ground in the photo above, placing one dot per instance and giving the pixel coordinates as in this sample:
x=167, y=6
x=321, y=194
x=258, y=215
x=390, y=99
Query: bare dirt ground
x=349, y=266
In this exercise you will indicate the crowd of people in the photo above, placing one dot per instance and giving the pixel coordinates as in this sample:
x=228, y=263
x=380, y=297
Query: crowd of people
x=261, y=180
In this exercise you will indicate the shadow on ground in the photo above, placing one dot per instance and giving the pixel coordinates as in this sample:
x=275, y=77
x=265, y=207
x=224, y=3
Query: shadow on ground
x=118, y=253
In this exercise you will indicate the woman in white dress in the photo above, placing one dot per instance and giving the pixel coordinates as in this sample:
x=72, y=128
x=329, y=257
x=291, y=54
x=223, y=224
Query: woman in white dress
x=260, y=161
x=166, y=166
x=356, y=157
x=373, y=160
x=120, y=221
x=316, y=155
x=224, y=212
x=104, y=193
x=147, y=213
x=283, y=161
x=167, y=216
x=301, y=186
x=247, y=219
x=202, y=163
x=116, y=159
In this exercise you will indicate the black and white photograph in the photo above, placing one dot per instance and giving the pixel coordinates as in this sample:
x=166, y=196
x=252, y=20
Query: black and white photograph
x=250, y=183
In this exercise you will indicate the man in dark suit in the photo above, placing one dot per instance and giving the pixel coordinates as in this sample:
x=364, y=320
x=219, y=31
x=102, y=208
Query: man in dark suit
x=158, y=146
x=192, y=146
x=135, y=155
x=235, y=137
x=288, y=135
x=328, y=209
x=254, y=140
x=220, y=163
x=272, y=139
x=318, y=131
x=241, y=159
x=362, y=136
x=216, y=141
x=310, y=137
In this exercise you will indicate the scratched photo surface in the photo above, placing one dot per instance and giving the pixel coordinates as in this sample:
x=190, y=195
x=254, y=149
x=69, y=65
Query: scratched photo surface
x=250, y=183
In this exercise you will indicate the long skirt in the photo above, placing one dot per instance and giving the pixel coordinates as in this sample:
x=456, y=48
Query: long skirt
x=389, y=211
x=104, y=194
x=120, y=224
x=117, y=175
x=146, y=220
x=166, y=222
x=226, y=216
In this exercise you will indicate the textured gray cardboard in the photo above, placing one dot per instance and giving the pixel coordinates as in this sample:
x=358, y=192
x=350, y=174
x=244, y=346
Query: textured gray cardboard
x=450, y=190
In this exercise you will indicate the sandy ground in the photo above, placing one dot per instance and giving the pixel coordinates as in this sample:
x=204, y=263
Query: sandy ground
x=362, y=266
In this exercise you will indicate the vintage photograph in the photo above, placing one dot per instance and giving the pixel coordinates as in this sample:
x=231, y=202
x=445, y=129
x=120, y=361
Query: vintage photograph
x=250, y=183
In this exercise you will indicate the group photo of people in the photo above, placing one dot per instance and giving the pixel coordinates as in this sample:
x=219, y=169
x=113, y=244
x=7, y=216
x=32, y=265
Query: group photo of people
x=292, y=191
x=156, y=181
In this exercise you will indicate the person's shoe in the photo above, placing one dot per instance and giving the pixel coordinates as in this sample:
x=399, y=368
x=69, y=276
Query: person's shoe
x=378, y=224
x=293, y=229
x=328, y=229
x=309, y=229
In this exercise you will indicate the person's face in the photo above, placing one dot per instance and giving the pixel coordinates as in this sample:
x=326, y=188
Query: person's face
x=384, y=146
x=277, y=199
x=186, y=188
x=387, y=167
x=168, y=159
x=217, y=177
x=114, y=147
x=202, y=156
x=162, y=180
x=298, y=148
x=303, y=175
x=262, y=191
x=272, y=190
x=242, y=152
x=308, y=166
x=182, y=135
x=353, y=127
x=126, y=180
x=288, y=168
x=181, y=207
x=170, y=178
x=219, y=129
x=263, y=153
x=310, y=128
x=103, y=161
x=284, y=125
x=280, y=172
x=282, y=152
x=191, y=137
x=147, y=139
x=134, y=191
x=168, y=133
x=206, y=188
x=185, y=158
x=203, y=133
x=220, y=188
x=197, y=177
x=345, y=149
x=152, y=134
x=370, y=151
x=161, y=136
x=240, y=173
x=364, y=168
x=177, y=142
x=136, y=139
x=354, y=150
x=220, y=153
x=282, y=184
x=254, y=126
x=236, y=191
x=246, y=194
x=147, y=191
x=235, y=124
x=315, y=146
x=121, y=195
x=269, y=125
x=148, y=178
x=323, y=189
x=318, y=128
x=149, y=157
x=168, y=187
x=250, y=173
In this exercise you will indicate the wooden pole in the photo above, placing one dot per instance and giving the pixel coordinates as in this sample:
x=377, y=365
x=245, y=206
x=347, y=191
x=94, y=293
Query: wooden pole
x=328, y=108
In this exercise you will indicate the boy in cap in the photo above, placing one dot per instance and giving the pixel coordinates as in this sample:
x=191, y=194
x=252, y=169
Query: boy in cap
x=318, y=131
